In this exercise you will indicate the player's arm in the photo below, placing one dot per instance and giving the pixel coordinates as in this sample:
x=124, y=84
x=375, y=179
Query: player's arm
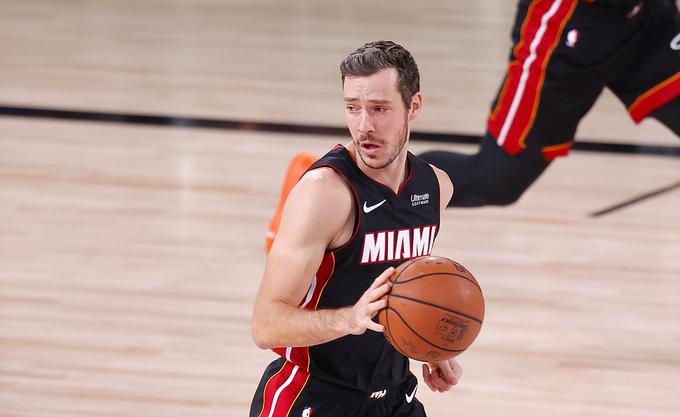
x=317, y=211
x=445, y=187
x=441, y=376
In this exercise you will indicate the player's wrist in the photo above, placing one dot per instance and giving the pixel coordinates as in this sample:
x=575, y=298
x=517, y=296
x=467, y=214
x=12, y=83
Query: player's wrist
x=344, y=321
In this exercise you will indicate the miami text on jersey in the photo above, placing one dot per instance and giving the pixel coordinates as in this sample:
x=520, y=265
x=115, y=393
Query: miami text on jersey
x=392, y=245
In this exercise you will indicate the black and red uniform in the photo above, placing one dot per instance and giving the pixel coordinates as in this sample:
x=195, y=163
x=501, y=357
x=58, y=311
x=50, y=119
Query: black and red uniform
x=357, y=375
x=565, y=52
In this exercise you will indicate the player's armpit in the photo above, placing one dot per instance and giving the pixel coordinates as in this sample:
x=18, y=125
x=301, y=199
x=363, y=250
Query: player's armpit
x=445, y=187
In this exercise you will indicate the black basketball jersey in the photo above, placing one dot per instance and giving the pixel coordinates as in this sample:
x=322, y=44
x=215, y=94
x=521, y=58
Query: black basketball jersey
x=389, y=228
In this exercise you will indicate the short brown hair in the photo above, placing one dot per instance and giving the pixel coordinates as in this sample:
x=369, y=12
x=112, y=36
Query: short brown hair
x=378, y=55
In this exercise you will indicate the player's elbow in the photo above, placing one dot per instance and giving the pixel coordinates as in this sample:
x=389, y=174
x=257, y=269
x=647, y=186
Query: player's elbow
x=260, y=334
x=262, y=342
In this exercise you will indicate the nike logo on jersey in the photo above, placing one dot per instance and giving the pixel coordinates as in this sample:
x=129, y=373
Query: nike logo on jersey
x=368, y=209
x=409, y=398
x=675, y=43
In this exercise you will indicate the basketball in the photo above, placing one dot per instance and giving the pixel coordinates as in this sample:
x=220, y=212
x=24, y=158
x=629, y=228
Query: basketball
x=434, y=310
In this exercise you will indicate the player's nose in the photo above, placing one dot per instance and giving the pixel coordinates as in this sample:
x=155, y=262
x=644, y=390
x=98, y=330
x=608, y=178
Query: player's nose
x=366, y=124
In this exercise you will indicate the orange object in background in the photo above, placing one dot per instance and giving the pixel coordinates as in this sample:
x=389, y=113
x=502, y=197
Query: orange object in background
x=297, y=167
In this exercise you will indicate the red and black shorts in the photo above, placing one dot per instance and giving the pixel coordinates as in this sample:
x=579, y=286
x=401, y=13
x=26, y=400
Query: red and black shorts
x=566, y=52
x=286, y=390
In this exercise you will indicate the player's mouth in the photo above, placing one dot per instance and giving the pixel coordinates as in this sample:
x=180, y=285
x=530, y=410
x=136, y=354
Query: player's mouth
x=370, y=148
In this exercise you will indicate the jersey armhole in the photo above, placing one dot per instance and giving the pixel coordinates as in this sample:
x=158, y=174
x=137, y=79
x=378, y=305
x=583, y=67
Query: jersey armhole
x=357, y=212
x=439, y=191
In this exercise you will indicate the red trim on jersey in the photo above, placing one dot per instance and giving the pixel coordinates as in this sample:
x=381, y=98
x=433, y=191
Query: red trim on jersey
x=552, y=152
x=282, y=389
x=408, y=177
x=654, y=98
x=512, y=136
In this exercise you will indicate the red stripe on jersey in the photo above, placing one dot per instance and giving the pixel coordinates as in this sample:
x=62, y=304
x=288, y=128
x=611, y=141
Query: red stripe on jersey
x=515, y=68
x=323, y=275
x=518, y=104
x=655, y=98
x=552, y=152
x=266, y=388
x=300, y=355
x=282, y=390
x=292, y=395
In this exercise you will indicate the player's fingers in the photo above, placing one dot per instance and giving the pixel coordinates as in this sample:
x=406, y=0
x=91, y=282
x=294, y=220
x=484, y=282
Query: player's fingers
x=427, y=377
x=376, y=327
x=382, y=278
x=439, y=382
x=447, y=374
x=430, y=378
x=380, y=291
x=376, y=306
x=457, y=369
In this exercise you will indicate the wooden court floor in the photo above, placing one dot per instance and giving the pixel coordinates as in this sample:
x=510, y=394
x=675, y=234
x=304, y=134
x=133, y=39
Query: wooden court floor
x=130, y=255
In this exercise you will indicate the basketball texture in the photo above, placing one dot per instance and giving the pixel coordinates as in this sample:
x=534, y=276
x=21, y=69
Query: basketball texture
x=434, y=310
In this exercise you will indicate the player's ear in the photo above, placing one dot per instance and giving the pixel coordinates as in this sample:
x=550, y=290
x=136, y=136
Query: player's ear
x=416, y=105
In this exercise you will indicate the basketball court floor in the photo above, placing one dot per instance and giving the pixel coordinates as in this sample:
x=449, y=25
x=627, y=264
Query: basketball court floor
x=142, y=146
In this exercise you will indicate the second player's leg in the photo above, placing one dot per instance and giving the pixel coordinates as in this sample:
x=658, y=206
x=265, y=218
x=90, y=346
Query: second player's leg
x=489, y=177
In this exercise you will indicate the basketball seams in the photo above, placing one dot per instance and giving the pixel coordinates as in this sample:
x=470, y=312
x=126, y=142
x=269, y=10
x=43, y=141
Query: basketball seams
x=440, y=273
x=403, y=267
x=424, y=339
x=415, y=300
x=387, y=327
x=425, y=298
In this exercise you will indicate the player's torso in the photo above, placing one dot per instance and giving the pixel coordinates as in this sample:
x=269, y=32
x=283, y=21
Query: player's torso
x=389, y=229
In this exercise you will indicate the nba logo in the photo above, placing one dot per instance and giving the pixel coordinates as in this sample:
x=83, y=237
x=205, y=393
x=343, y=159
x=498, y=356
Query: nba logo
x=307, y=412
x=572, y=38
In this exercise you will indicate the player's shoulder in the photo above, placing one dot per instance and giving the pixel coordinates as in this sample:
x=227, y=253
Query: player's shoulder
x=322, y=177
x=324, y=184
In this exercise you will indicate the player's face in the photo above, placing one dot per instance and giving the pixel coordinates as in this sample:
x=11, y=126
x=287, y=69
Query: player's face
x=377, y=117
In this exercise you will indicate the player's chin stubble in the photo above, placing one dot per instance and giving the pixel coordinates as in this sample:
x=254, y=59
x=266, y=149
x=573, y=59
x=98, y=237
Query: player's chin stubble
x=372, y=138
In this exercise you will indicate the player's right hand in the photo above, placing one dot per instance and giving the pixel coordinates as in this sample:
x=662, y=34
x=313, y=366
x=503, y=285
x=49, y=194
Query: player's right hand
x=360, y=315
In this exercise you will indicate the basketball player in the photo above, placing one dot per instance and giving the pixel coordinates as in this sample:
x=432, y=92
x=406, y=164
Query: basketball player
x=325, y=275
x=565, y=53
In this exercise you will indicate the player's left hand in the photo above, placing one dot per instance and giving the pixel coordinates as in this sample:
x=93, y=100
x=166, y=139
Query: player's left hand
x=443, y=375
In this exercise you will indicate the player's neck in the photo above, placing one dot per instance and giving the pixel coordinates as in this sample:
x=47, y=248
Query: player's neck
x=391, y=176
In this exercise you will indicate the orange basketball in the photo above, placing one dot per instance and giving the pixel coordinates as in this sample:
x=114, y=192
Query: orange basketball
x=434, y=310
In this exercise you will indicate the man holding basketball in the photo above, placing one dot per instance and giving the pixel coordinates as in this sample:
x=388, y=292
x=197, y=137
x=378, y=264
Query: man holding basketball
x=358, y=212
